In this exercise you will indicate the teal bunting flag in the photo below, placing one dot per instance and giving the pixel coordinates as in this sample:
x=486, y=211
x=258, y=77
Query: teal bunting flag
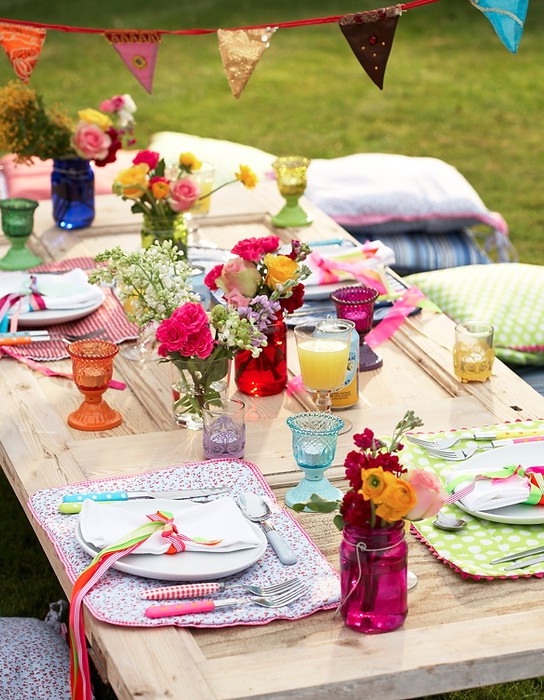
x=507, y=18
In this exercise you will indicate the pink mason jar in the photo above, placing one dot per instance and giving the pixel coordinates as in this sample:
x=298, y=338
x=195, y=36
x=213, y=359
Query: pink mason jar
x=373, y=571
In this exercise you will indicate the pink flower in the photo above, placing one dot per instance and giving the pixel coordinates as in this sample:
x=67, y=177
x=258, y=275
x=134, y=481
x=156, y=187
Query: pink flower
x=192, y=317
x=187, y=331
x=150, y=157
x=90, y=141
x=239, y=276
x=212, y=275
x=429, y=492
x=236, y=298
x=171, y=334
x=253, y=249
x=116, y=103
x=184, y=194
x=201, y=345
x=157, y=178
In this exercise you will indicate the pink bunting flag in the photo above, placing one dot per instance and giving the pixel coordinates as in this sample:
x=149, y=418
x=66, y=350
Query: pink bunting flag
x=23, y=45
x=139, y=50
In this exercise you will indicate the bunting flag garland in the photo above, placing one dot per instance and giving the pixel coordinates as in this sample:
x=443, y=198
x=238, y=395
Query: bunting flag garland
x=138, y=49
x=370, y=35
x=507, y=18
x=241, y=50
x=23, y=45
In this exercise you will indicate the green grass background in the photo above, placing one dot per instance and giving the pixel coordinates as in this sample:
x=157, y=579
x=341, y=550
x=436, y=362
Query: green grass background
x=452, y=91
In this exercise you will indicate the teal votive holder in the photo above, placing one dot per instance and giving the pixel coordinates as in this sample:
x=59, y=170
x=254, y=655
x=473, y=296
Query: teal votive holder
x=314, y=438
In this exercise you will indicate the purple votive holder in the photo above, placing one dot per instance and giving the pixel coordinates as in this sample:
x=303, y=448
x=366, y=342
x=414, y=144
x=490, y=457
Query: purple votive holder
x=224, y=432
x=356, y=303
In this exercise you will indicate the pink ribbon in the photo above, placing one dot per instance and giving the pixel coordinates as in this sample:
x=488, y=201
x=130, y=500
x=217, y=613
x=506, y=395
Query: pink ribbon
x=34, y=298
x=401, y=308
x=326, y=271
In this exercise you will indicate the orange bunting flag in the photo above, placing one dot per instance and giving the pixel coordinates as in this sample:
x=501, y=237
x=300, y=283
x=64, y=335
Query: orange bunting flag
x=23, y=45
x=240, y=51
x=370, y=35
x=138, y=49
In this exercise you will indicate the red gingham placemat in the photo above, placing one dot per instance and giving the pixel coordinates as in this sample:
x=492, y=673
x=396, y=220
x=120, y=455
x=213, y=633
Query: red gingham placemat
x=109, y=316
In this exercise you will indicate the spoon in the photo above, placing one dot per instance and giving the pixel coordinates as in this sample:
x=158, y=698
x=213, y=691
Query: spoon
x=256, y=509
x=448, y=522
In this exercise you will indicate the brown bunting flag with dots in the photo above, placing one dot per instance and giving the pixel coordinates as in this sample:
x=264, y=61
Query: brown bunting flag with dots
x=370, y=35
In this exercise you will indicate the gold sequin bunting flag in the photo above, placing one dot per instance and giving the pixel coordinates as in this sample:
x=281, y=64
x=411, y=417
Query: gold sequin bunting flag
x=370, y=35
x=138, y=49
x=240, y=51
x=23, y=46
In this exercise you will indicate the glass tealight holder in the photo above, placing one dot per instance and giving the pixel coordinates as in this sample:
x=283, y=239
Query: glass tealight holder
x=314, y=438
x=92, y=363
x=356, y=303
x=473, y=352
x=291, y=177
x=224, y=432
x=17, y=225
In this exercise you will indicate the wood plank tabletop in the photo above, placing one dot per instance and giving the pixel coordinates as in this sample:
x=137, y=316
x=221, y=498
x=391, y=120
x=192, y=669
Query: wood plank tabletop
x=459, y=633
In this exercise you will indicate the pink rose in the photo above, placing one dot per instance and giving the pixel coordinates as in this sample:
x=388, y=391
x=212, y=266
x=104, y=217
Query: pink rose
x=212, y=275
x=150, y=157
x=184, y=194
x=171, y=334
x=253, y=249
x=270, y=244
x=116, y=103
x=240, y=276
x=90, y=141
x=199, y=345
x=236, y=298
x=429, y=492
x=192, y=317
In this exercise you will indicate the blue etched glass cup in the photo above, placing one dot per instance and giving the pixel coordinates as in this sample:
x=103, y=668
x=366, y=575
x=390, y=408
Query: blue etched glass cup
x=314, y=438
x=72, y=192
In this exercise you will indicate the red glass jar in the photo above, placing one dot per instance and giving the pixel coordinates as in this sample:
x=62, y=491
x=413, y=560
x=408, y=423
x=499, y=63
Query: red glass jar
x=266, y=374
x=373, y=578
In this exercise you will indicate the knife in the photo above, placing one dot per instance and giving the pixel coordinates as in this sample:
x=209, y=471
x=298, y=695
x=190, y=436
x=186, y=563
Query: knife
x=519, y=555
x=108, y=496
x=526, y=563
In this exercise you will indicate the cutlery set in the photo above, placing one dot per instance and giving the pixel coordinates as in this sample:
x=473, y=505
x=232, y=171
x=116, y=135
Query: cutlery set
x=27, y=337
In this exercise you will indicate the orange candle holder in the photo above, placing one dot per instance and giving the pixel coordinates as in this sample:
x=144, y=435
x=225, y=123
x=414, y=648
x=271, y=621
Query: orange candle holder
x=92, y=363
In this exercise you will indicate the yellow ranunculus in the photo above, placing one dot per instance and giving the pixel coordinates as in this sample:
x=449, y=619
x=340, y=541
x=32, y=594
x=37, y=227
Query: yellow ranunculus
x=247, y=177
x=375, y=483
x=398, y=499
x=160, y=190
x=93, y=116
x=189, y=162
x=132, y=182
x=280, y=269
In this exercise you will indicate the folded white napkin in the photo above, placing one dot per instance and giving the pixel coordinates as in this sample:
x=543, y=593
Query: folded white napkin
x=221, y=519
x=490, y=494
x=70, y=290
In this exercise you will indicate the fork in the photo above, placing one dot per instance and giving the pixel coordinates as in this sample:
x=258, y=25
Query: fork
x=25, y=338
x=286, y=598
x=193, y=590
x=444, y=443
x=466, y=452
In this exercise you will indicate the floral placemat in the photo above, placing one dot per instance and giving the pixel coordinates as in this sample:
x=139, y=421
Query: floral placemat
x=110, y=316
x=116, y=598
x=470, y=550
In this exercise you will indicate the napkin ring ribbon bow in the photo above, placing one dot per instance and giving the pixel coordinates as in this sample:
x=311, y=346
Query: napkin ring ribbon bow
x=534, y=478
x=161, y=521
x=35, y=300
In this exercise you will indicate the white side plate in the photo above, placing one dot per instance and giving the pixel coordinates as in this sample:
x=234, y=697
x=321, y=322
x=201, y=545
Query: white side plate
x=49, y=317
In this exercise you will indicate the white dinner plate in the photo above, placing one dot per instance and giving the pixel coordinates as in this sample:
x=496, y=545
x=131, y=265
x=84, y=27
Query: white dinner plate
x=49, y=317
x=186, y=566
x=528, y=454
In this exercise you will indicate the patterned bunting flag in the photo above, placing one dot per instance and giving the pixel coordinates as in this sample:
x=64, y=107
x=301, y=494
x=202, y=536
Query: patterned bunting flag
x=240, y=51
x=23, y=46
x=138, y=49
x=370, y=35
x=507, y=18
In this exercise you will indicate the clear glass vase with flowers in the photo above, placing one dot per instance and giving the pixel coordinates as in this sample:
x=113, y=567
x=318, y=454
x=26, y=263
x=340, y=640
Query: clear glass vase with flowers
x=382, y=495
x=165, y=194
x=263, y=285
x=200, y=346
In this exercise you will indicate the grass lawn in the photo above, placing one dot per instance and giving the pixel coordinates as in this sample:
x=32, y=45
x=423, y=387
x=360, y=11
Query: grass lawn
x=451, y=91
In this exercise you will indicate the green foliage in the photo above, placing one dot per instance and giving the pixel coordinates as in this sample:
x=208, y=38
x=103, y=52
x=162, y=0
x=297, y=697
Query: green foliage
x=317, y=505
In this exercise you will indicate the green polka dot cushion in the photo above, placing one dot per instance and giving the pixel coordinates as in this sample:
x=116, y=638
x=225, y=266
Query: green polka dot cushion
x=507, y=295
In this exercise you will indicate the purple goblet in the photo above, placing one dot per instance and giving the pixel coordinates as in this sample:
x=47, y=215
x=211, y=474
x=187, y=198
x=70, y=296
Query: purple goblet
x=356, y=304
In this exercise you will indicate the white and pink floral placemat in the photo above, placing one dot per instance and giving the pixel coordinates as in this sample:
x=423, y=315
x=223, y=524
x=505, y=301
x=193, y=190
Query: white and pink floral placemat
x=117, y=596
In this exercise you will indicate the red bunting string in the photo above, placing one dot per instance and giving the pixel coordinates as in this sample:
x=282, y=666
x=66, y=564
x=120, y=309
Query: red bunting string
x=282, y=25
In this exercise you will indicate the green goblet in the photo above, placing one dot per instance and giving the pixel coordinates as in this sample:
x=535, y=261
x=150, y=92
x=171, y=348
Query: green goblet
x=291, y=176
x=17, y=225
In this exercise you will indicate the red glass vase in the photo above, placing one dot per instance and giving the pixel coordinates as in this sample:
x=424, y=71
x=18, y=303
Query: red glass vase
x=266, y=374
x=373, y=578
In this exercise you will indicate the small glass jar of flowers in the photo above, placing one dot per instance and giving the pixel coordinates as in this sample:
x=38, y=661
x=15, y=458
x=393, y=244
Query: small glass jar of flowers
x=164, y=194
x=29, y=130
x=373, y=551
x=263, y=285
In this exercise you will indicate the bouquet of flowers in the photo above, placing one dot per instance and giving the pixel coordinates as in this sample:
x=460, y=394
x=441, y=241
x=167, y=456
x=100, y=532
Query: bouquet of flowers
x=29, y=130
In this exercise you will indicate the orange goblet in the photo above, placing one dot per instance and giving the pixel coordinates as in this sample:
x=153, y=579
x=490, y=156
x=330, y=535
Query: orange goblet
x=92, y=363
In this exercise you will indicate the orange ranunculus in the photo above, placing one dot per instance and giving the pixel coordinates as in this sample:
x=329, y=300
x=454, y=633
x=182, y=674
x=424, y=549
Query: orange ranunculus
x=398, y=499
x=280, y=270
x=375, y=483
x=160, y=189
x=132, y=182
x=189, y=162
x=247, y=177
x=93, y=116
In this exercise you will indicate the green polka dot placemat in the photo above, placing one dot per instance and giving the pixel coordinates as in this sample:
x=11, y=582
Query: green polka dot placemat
x=470, y=550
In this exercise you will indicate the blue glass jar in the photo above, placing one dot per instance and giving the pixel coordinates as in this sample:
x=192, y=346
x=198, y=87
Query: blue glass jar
x=72, y=192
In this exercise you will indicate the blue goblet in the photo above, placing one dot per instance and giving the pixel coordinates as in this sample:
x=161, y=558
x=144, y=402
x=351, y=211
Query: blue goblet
x=314, y=437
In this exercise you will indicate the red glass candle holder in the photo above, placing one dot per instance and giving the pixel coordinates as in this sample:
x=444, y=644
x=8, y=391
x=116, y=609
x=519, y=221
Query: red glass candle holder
x=92, y=363
x=266, y=374
x=357, y=304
